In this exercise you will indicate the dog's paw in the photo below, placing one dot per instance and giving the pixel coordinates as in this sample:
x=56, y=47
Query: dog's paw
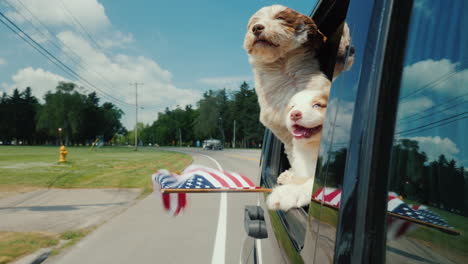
x=289, y=196
x=285, y=177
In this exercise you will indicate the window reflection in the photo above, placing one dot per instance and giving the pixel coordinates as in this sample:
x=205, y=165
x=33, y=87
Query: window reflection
x=430, y=152
x=335, y=138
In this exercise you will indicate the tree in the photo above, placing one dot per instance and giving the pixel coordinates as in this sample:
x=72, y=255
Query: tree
x=206, y=124
x=248, y=111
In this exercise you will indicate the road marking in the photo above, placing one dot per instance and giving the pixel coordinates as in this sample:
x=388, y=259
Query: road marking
x=242, y=157
x=259, y=250
x=219, y=251
x=259, y=241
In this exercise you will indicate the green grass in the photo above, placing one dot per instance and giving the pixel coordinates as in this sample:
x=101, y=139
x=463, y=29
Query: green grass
x=453, y=247
x=22, y=167
x=324, y=214
x=14, y=245
x=72, y=237
x=108, y=167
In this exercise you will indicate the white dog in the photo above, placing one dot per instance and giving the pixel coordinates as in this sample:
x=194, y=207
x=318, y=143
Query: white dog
x=304, y=120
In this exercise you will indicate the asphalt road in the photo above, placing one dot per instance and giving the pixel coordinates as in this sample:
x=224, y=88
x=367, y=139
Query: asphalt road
x=210, y=230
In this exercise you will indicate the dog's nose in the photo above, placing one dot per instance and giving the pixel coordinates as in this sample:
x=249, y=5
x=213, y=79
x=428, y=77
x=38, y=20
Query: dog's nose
x=351, y=50
x=296, y=115
x=258, y=29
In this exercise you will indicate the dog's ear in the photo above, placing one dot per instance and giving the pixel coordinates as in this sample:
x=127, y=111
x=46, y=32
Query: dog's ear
x=315, y=38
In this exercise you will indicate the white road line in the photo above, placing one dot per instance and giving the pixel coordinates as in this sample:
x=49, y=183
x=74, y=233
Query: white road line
x=219, y=251
x=259, y=241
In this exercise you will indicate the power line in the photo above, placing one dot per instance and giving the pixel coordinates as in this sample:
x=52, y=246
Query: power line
x=443, y=103
x=442, y=124
x=57, y=62
x=436, y=123
x=36, y=28
x=430, y=84
x=77, y=22
x=432, y=114
x=38, y=47
x=78, y=64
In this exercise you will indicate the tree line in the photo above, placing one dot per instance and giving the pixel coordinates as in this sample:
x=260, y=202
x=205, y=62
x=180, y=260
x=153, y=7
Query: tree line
x=439, y=183
x=213, y=117
x=24, y=120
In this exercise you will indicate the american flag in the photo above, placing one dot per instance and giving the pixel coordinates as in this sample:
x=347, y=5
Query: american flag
x=200, y=177
x=402, y=216
x=196, y=178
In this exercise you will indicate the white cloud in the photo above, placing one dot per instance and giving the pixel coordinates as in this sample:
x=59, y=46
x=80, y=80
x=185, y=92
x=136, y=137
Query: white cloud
x=413, y=106
x=111, y=71
x=340, y=122
x=89, y=13
x=117, y=39
x=119, y=70
x=435, y=146
x=229, y=82
x=423, y=7
x=38, y=79
x=442, y=76
x=3, y=62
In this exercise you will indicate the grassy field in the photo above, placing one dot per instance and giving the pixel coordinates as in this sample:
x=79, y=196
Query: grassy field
x=25, y=168
x=116, y=167
x=453, y=247
x=17, y=244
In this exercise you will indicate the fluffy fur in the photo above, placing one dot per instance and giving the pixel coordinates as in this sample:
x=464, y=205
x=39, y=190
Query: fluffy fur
x=304, y=120
x=282, y=45
x=345, y=55
x=284, y=62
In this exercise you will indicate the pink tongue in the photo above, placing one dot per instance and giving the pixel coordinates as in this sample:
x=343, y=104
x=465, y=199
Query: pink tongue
x=305, y=132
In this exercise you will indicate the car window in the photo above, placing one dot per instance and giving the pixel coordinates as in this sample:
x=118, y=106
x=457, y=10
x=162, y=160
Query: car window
x=329, y=16
x=428, y=171
x=335, y=137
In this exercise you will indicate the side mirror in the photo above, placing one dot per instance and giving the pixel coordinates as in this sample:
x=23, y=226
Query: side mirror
x=254, y=222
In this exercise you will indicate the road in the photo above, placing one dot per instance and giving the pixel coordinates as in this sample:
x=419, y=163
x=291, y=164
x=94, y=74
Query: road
x=210, y=230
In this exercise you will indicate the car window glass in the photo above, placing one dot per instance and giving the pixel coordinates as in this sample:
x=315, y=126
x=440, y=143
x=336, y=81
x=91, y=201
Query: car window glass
x=428, y=172
x=335, y=138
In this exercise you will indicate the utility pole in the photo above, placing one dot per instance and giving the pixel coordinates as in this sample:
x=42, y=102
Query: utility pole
x=180, y=138
x=234, y=137
x=136, y=113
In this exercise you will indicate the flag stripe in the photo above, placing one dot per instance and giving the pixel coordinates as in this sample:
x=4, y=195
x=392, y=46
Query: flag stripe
x=234, y=179
x=244, y=180
x=223, y=181
x=230, y=183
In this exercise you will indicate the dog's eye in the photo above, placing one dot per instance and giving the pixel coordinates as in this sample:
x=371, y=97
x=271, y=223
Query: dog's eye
x=280, y=18
x=317, y=106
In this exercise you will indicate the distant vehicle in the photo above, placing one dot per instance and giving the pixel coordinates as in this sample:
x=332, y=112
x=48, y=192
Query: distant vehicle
x=213, y=144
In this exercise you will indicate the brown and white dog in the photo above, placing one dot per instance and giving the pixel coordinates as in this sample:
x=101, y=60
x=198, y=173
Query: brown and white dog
x=304, y=121
x=282, y=45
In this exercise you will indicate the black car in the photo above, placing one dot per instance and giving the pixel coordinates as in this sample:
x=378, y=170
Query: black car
x=396, y=123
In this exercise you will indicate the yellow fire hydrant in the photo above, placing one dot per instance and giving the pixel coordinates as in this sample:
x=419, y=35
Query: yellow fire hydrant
x=63, y=154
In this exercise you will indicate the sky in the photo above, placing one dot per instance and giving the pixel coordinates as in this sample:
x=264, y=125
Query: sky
x=176, y=49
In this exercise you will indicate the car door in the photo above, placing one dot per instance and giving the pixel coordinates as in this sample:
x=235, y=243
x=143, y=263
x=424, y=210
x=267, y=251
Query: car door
x=288, y=230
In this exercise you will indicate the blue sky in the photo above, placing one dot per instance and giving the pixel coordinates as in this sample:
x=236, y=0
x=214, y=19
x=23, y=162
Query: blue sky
x=178, y=49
